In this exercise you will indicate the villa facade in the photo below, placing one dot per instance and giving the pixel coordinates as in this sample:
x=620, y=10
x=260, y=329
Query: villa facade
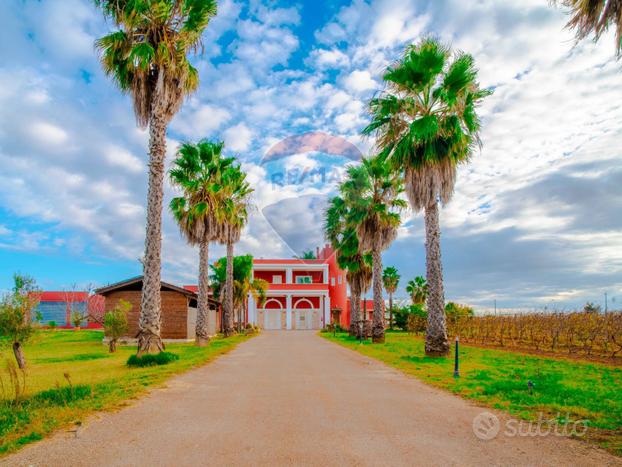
x=301, y=293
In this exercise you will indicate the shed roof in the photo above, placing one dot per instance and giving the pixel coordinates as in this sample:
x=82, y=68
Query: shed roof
x=136, y=283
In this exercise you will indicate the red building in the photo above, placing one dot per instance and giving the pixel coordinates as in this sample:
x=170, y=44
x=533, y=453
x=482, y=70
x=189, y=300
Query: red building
x=302, y=293
x=58, y=306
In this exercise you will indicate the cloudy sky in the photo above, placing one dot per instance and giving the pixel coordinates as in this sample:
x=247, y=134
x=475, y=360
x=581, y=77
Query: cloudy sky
x=535, y=220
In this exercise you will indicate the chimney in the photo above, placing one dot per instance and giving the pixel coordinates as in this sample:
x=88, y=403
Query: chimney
x=317, y=252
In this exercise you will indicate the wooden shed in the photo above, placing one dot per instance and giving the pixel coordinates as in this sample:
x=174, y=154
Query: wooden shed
x=179, y=308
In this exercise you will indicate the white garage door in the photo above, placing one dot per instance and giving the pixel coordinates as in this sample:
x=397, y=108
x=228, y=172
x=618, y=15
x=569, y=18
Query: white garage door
x=272, y=319
x=305, y=319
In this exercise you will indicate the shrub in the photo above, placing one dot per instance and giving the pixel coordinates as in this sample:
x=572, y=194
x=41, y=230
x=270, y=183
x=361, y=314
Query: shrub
x=161, y=358
x=52, y=324
x=411, y=318
x=417, y=319
x=333, y=328
x=63, y=395
x=250, y=328
x=115, y=323
x=77, y=318
x=455, y=312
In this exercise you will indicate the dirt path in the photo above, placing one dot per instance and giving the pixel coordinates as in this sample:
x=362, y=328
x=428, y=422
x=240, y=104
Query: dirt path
x=294, y=398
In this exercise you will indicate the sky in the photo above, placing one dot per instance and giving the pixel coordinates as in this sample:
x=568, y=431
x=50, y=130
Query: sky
x=535, y=220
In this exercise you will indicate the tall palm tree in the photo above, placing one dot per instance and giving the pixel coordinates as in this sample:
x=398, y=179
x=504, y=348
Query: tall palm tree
x=372, y=190
x=197, y=172
x=236, y=204
x=595, y=17
x=357, y=265
x=426, y=124
x=418, y=290
x=147, y=58
x=391, y=280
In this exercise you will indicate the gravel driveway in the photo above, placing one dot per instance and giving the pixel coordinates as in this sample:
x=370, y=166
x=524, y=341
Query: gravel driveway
x=291, y=397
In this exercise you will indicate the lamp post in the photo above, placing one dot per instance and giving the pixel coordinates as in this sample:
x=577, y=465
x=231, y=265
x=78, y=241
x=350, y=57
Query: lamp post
x=456, y=362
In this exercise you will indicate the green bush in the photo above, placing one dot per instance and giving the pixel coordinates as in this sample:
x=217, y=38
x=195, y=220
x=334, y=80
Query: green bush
x=334, y=328
x=161, y=358
x=411, y=318
x=64, y=395
x=52, y=324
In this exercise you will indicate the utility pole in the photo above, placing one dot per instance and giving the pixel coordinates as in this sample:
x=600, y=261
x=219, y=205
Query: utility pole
x=605, y=302
x=495, y=307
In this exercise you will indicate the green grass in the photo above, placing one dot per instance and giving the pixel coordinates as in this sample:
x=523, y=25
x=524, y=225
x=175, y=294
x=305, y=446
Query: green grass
x=98, y=380
x=498, y=378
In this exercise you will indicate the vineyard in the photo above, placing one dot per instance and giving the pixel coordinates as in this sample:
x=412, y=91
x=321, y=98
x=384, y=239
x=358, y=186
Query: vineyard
x=589, y=334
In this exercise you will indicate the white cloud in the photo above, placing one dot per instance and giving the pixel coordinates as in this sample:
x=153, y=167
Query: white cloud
x=121, y=157
x=360, y=80
x=200, y=121
x=329, y=58
x=47, y=133
x=238, y=137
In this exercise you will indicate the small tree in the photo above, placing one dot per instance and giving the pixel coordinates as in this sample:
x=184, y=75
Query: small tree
x=77, y=318
x=591, y=308
x=115, y=323
x=16, y=312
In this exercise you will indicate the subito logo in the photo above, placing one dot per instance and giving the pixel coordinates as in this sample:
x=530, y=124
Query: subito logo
x=486, y=426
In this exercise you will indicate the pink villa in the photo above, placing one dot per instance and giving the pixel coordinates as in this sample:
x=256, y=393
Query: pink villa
x=302, y=293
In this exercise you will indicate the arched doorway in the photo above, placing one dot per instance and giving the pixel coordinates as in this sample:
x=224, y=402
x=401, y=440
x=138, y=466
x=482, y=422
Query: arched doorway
x=272, y=310
x=306, y=314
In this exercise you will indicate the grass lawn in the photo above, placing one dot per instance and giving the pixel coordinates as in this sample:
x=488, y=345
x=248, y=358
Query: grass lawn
x=498, y=378
x=99, y=381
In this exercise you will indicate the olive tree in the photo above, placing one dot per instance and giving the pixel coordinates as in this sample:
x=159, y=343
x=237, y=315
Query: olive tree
x=16, y=312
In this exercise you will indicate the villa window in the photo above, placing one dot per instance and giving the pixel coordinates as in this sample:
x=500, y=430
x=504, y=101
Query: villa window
x=339, y=279
x=304, y=280
x=332, y=281
x=276, y=279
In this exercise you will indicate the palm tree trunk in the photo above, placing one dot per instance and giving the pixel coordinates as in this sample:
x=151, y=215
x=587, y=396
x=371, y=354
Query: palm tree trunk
x=355, y=305
x=391, y=310
x=436, y=343
x=149, y=340
x=202, y=328
x=228, y=302
x=377, y=329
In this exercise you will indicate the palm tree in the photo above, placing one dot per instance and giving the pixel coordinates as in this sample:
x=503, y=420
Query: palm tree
x=595, y=17
x=357, y=265
x=418, y=290
x=197, y=171
x=391, y=280
x=243, y=282
x=426, y=124
x=372, y=190
x=235, y=207
x=147, y=58
x=307, y=255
